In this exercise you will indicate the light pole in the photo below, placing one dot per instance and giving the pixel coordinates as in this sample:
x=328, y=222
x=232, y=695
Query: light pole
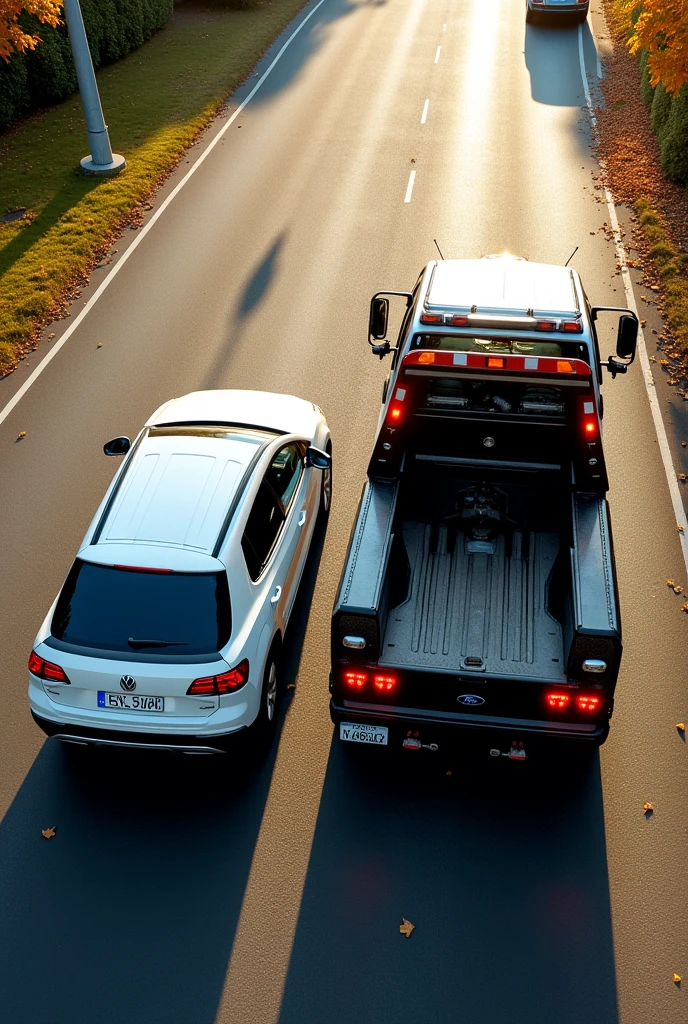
x=102, y=160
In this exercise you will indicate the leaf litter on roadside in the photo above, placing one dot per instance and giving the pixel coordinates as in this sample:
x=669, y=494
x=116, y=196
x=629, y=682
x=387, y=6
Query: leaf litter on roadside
x=406, y=927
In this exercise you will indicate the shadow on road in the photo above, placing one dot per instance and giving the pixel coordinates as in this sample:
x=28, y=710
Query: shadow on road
x=502, y=869
x=551, y=55
x=129, y=912
x=259, y=282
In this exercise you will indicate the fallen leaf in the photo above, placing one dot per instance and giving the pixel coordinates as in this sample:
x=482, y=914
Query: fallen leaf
x=670, y=583
x=648, y=808
x=22, y=433
x=684, y=443
x=291, y=686
x=406, y=927
x=681, y=726
x=676, y=978
x=684, y=607
x=51, y=335
x=99, y=345
x=678, y=590
x=679, y=528
x=48, y=833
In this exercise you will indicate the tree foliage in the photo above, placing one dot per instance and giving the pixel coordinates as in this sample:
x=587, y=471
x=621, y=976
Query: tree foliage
x=13, y=37
x=661, y=28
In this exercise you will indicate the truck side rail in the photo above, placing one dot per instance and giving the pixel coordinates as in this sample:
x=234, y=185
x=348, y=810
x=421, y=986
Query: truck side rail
x=595, y=621
x=360, y=606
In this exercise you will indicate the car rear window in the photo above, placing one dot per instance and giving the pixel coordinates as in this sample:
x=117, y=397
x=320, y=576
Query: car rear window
x=171, y=614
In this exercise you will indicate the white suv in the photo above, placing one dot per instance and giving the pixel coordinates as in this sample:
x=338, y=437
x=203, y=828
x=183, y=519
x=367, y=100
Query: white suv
x=168, y=628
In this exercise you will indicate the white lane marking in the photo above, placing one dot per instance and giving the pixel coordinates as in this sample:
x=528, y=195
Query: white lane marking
x=600, y=73
x=424, y=115
x=437, y=55
x=409, y=187
x=444, y=28
x=660, y=430
x=14, y=401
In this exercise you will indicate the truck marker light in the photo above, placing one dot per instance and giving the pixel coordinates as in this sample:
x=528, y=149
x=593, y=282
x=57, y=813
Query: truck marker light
x=589, y=703
x=395, y=414
x=459, y=321
x=564, y=366
x=590, y=428
x=426, y=357
x=432, y=318
x=545, y=325
x=356, y=679
x=572, y=326
x=495, y=363
x=558, y=700
x=384, y=683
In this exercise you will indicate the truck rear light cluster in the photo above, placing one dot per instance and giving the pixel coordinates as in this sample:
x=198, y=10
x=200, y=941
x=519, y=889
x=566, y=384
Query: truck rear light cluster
x=46, y=669
x=356, y=680
x=560, y=700
x=588, y=415
x=226, y=682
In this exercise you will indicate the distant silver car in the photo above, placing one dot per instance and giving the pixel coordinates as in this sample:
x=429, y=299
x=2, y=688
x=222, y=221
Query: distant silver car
x=556, y=10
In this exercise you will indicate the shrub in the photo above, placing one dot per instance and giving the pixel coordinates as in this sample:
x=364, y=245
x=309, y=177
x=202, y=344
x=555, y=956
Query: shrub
x=673, y=140
x=659, y=113
x=46, y=75
x=646, y=90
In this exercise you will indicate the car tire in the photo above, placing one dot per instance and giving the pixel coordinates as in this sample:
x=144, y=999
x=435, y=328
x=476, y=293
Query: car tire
x=269, y=696
x=326, y=487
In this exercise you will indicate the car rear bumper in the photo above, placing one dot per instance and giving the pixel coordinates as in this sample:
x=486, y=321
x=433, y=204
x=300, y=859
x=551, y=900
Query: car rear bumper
x=446, y=732
x=87, y=736
x=558, y=9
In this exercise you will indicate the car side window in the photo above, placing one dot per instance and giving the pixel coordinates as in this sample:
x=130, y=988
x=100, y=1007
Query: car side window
x=284, y=473
x=262, y=528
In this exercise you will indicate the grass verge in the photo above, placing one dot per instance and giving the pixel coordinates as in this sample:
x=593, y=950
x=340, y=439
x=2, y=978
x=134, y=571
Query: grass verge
x=671, y=266
x=155, y=102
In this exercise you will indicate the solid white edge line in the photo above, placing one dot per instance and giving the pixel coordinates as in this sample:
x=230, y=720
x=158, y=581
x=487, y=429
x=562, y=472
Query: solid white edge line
x=648, y=380
x=424, y=115
x=437, y=54
x=14, y=401
x=409, y=187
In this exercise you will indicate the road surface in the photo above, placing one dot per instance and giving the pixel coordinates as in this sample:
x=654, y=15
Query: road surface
x=188, y=891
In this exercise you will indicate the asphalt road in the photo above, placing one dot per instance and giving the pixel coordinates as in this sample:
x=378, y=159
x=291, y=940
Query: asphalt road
x=188, y=891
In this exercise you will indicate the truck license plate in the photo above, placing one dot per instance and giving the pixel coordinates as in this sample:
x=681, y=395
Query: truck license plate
x=363, y=733
x=130, y=702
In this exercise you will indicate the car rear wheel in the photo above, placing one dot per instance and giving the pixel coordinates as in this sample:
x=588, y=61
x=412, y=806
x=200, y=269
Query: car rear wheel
x=269, y=697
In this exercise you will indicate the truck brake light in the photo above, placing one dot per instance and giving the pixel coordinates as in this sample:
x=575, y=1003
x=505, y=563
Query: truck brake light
x=384, y=683
x=356, y=680
x=558, y=700
x=431, y=318
x=587, y=702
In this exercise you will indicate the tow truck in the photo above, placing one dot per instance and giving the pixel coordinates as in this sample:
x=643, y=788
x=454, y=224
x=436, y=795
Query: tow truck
x=478, y=594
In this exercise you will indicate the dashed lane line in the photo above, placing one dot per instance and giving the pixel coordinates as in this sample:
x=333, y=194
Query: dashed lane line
x=409, y=187
x=660, y=430
x=437, y=54
x=424, y=115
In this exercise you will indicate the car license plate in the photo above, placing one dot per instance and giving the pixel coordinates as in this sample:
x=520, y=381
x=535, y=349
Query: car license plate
x=363, y=733
x=130, y=702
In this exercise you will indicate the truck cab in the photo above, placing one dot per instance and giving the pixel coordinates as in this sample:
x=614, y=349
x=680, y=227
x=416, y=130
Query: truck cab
x=479, y=588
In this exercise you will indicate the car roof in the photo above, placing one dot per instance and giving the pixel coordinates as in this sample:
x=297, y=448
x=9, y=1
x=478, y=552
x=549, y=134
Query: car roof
x=283, y=413
x=175, y=492
x=501, y=285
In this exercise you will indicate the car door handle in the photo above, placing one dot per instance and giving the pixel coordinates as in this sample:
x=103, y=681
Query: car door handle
x=302, y=517
x=276, y=596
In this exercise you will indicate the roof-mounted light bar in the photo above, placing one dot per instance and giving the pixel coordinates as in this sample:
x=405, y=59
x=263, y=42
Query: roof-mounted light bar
x=504, y=323
x=507, y=362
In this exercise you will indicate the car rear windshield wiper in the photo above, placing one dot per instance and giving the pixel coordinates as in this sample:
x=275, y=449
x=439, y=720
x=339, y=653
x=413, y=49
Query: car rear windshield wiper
x=133, y=642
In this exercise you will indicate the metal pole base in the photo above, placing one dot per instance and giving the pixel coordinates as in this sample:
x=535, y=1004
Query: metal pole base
x=117, y=164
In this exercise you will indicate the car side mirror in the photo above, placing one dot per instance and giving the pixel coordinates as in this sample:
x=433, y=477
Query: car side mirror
x=118, y=446
x=379, y=315
x=627, y=337
x=318, y=459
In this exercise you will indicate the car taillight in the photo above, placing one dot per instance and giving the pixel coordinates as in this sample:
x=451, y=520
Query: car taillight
x=356, y=680
x=226, y=682
x=431, y=318
x=46, y=669
x=572, y=326
x=545, y=325
x=558, y=700
x=587, y=702
x=384, y=683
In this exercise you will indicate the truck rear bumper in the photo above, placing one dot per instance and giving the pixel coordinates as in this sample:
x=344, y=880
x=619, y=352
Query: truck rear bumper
x=447, y=733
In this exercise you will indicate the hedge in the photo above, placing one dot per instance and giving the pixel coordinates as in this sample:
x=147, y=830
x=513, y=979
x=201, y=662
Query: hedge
x=46, y=75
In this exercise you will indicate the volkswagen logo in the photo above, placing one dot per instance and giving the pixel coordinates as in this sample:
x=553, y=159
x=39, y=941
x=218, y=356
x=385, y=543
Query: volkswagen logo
x=489, y=442
x=128, y=683
x=471, y=699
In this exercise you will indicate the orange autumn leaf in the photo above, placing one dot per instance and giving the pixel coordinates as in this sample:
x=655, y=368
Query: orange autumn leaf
x=13, y=38
x=662, y=30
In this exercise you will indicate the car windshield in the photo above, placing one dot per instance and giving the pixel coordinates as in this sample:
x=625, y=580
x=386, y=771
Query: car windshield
x=509, y=346
x=166, y=613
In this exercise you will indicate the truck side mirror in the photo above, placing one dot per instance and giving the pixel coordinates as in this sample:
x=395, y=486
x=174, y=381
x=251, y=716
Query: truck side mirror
x=379, y=314
x=627, y=337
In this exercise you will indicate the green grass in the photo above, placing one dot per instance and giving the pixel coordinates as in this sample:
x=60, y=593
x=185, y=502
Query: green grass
x=672, y=267
x=155, y=102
